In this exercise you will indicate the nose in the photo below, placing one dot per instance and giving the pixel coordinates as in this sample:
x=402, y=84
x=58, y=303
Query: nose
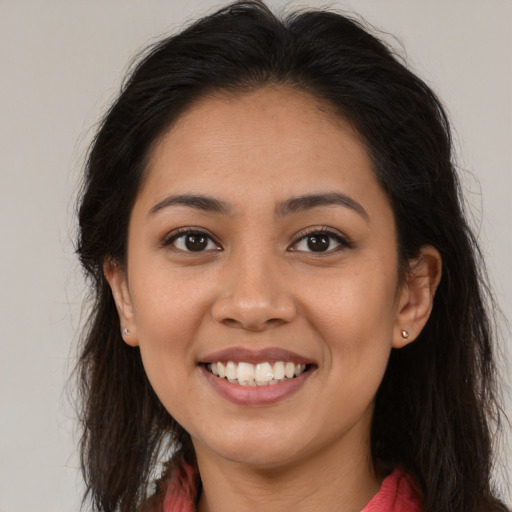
x=254, y=294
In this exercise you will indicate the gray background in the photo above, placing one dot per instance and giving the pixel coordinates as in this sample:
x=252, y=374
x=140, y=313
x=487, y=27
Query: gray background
x=61, y=63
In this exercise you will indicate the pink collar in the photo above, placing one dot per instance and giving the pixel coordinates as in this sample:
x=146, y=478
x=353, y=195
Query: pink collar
x=181, y=492
x=397, y=493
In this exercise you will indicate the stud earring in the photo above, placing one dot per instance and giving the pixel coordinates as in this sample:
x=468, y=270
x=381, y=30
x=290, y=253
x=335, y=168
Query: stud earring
x=125, y=331
x=405, y=334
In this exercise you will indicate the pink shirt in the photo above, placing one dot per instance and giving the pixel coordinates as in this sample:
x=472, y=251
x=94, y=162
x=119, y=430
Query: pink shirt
x=397, y=493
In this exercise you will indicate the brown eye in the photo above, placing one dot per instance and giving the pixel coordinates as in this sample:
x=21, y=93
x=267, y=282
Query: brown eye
x=318, y=243
x=321, y=241
x=191, y=241
x=196, y=242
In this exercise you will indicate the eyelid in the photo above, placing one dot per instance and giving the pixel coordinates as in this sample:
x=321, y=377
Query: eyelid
x=173, y=235
x=343, y=240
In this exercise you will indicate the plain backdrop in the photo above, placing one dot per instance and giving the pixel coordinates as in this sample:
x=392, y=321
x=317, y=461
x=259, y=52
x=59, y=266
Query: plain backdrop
x=61, y=64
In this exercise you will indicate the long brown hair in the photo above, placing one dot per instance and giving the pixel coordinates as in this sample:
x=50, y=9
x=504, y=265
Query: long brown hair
x=437, y=403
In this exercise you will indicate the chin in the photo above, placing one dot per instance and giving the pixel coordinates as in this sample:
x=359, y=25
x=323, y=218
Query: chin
x=260, y=450
x=259, y=458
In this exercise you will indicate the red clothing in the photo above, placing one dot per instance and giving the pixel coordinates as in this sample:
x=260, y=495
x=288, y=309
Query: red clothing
x=397, y=493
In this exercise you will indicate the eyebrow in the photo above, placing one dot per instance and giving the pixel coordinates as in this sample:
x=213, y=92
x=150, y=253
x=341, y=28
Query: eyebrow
x=288, y=207
x=306, y=202
x=199, y=202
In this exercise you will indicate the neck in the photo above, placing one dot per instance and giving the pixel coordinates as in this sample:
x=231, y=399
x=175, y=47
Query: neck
x=338, y=478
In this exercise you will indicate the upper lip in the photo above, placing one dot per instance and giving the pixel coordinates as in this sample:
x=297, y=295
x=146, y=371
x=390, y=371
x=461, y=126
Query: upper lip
x=251, y=355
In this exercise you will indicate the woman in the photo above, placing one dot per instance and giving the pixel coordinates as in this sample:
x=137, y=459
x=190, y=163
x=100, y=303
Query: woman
x=289, y=306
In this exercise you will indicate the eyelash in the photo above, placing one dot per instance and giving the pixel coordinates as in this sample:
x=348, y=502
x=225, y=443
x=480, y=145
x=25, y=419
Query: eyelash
x=183, y=232
x=342, y=241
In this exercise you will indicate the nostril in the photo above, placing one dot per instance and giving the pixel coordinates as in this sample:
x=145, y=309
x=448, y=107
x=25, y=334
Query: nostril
x=255, y=325
x=230, y=322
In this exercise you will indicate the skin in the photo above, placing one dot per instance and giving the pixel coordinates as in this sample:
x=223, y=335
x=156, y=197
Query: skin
x=258, y=284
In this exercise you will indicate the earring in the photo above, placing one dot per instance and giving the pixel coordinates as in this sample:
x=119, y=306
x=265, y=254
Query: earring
x=405, y=334
x=125, y=331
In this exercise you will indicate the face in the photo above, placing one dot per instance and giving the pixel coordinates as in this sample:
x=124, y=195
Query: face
x=262, y=249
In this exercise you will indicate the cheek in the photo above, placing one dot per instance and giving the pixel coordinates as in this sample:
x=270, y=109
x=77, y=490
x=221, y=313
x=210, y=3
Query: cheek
x=361, y=299
x=355, y=315
x=169, y=312
x=168, y=305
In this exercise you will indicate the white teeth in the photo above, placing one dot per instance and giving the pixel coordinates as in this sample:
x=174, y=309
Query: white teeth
x=261, y=374
x=231, y=372
x=279, y=372
x=299, y=368
x=289, y=370
x=245, y=371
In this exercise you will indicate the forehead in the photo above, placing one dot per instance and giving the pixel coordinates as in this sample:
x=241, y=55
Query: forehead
x=270, y=143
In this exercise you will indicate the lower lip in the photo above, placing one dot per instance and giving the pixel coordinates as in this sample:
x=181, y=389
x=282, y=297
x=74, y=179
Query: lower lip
x=256, y=395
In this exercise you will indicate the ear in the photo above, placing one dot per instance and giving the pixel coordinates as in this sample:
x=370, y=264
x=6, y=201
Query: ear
x=118, y=281
x=416, y=296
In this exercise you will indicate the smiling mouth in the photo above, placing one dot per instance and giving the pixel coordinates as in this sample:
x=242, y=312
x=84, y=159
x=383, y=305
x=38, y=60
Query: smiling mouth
x=259, y=374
